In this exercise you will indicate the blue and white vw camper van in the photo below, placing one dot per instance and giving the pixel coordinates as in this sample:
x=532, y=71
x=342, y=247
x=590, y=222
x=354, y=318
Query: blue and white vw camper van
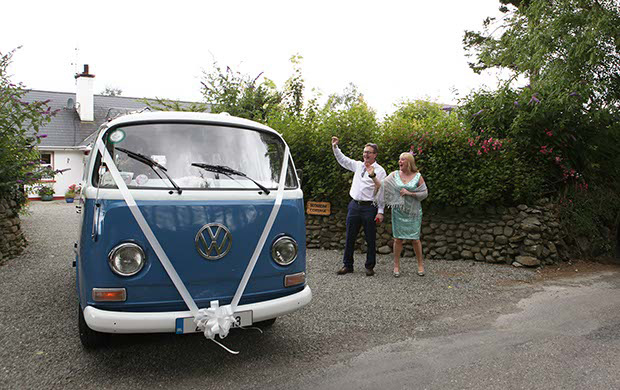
x=191, y=222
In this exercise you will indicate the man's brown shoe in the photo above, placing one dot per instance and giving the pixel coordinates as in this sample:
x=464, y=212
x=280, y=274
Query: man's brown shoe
x=370, y=272
x=344, y=270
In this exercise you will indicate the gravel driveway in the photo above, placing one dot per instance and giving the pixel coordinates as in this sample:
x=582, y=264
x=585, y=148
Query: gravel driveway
x=40, y=348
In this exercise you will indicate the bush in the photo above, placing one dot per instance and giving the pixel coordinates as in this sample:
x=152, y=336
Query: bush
x=589, y=218
x=20, y=123
x=309, y=137
x=44, y=190
x=72, y=191
x=509, y=146
x=564, y=125
x=460, y=166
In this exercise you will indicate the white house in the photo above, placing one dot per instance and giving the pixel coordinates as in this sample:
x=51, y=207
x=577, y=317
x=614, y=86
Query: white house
x=66, y=145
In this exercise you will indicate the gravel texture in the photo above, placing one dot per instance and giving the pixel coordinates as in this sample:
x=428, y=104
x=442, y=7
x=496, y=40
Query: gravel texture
x=40, y=348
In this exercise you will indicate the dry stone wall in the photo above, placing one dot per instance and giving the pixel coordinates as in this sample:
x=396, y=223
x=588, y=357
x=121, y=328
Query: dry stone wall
x=522, y=235
x=12, y=240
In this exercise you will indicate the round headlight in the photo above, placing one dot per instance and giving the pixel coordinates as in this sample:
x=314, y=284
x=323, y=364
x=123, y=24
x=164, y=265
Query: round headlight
x=284, y=250
x=126, y=259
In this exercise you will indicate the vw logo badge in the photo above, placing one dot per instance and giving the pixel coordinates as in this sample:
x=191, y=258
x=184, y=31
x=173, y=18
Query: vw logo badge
x=213, y=241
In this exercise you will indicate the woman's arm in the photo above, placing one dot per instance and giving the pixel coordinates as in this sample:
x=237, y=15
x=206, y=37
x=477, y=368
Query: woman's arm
x=421, y=194
x=418, y=194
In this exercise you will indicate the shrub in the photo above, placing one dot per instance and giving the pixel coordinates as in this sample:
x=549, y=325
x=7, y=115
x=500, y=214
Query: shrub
x=72, y=191
x=589, y=217
x=44, y=190
x=461, y=167
x=20, y=123
x=309, y=135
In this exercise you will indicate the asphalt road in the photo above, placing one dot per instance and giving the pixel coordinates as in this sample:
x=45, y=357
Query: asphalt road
x=463, y=325
x=564, y=337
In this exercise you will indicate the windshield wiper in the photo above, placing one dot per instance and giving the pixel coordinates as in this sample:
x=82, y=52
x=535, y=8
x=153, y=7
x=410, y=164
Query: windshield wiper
x=228, y=171
x=153, y=164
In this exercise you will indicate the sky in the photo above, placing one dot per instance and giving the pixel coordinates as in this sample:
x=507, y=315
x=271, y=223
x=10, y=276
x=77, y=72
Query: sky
x=392, y=51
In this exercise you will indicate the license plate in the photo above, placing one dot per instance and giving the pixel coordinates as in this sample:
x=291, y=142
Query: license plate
x=187, y=324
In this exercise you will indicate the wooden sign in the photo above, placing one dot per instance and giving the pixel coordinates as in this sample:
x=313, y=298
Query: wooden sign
x=318, y=208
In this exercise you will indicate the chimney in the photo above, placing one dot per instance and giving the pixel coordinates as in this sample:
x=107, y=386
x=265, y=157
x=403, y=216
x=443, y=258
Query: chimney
x=84, y=96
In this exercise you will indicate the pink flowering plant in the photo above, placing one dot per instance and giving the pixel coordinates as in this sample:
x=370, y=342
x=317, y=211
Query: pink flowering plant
x=465, y=168
x=564, y=148
x=552, y=136
x=72, y=191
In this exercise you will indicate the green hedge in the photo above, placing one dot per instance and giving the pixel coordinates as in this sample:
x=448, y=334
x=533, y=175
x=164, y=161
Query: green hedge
x=310, y=142
x=460, y=167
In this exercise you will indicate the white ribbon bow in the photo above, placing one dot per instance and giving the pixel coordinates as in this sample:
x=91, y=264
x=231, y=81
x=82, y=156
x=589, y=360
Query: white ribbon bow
x=215, y=320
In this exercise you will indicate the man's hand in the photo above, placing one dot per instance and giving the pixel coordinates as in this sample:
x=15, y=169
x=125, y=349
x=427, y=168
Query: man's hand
x=379, y=218
x=370, y=169
x=335, y=141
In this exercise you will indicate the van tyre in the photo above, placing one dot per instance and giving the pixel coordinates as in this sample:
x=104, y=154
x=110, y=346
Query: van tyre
x=90, y=339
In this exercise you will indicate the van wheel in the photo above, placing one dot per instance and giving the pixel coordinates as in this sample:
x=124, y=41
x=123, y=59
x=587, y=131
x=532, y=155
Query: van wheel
x=266, y=324
x=90, y=339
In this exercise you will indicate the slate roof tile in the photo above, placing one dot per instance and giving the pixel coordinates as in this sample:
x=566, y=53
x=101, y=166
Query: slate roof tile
x=66, y=129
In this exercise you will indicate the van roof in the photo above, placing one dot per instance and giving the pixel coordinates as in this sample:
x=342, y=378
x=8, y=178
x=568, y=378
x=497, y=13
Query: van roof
x=181, y=116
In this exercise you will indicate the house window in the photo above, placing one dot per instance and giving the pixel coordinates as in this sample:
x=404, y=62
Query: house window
x=47, y=160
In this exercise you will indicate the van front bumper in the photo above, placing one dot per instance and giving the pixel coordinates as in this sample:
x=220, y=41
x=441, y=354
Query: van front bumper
x=165, y=322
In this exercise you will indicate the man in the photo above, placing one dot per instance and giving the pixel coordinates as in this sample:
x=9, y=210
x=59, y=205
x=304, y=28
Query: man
x=361, y=211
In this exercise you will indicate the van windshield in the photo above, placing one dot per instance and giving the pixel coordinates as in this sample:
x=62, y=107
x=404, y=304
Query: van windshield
x=176, y=146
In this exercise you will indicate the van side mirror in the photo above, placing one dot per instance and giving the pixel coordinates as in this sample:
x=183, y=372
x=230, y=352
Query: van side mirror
x=300, y=174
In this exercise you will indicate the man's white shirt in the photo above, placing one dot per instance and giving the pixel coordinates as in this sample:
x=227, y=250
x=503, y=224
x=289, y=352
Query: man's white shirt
x=363, y=187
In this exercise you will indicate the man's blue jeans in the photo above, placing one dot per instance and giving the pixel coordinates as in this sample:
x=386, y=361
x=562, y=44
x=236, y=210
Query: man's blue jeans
x=361, y=215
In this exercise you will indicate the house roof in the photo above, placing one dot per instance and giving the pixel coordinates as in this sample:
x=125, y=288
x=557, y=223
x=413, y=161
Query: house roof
x=66, y=129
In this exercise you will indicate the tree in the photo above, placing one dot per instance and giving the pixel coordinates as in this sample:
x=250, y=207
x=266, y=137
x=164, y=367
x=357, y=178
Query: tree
x=571, y=46
x=162, y=104
x=570, y=51
x=111, y=91
x=564, y=126
x=239, y=94
x=293, y=95
x=20, y=123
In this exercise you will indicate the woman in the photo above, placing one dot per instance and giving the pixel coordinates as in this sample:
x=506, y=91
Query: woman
x=403, y=190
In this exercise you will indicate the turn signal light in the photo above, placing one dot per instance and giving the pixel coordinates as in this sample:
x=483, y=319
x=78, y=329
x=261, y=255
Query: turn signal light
x=294, y=279
x=109, y=294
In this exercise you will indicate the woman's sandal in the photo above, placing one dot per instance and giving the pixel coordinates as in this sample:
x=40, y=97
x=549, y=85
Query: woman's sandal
x=396, y=274
x=420, y=273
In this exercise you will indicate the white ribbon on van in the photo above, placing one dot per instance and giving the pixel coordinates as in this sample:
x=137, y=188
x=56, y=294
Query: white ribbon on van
x=215, y=320
x=144, y=226
x=218, y=320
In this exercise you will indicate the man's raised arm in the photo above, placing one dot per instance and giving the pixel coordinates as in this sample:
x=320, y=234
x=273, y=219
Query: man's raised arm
x=343, y=160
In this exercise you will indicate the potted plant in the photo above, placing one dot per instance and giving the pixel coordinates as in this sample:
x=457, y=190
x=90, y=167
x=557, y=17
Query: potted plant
x=72, y=191
x=46, y=193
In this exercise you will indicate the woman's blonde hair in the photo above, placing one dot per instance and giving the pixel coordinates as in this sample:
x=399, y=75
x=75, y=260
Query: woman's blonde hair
x=409, y=157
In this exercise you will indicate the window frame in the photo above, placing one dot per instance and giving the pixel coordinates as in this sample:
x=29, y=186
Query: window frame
x=109, y=147
x=50, y=165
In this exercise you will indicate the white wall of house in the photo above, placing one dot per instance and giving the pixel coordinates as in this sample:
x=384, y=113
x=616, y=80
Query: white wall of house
x=63, y=159
x=68, y=159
